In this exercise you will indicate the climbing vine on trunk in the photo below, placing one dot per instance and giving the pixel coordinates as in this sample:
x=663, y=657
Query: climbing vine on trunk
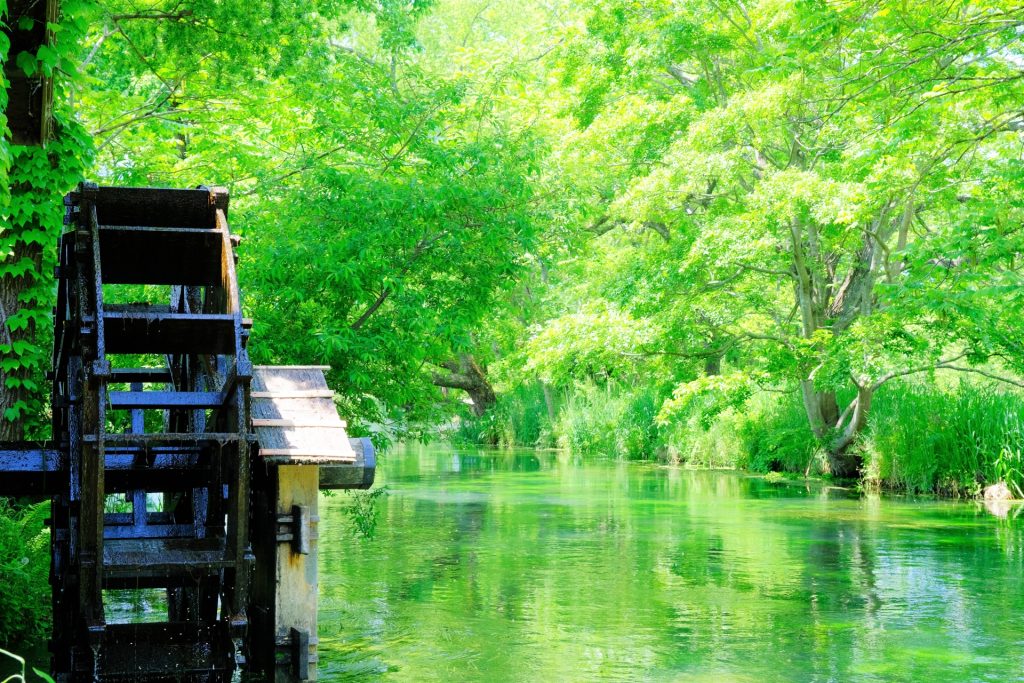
x=32, y=210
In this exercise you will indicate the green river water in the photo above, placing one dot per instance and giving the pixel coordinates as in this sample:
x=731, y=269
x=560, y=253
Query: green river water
x=526, y=566
x=538, y=566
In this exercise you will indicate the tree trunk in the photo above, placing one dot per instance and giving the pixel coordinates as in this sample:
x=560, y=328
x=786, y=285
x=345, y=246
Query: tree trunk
x=549, y=401
x=843, y=462
x=837, y=307
x=839, y=431
x=466, y=374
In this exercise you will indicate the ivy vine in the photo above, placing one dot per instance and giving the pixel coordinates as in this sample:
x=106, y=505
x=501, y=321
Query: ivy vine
x=5, y=157
x=34, y=180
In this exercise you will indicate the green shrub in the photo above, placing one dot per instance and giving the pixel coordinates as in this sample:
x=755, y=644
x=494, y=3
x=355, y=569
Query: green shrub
x=920, y=437
x=774, y=434
x=715, y=446
x=518, y=418
x=24, y=566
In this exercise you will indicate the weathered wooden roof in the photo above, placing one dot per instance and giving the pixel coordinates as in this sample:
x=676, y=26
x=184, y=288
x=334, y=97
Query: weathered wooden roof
x=295, y=419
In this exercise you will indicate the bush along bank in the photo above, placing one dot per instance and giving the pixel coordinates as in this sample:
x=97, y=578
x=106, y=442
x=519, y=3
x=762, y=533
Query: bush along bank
x=921, y=438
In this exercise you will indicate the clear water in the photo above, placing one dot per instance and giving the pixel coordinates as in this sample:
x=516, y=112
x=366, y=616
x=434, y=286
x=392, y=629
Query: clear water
x=526, y=566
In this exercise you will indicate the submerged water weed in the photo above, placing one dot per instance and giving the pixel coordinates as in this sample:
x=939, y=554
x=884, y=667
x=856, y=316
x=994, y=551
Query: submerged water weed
x=363, y=511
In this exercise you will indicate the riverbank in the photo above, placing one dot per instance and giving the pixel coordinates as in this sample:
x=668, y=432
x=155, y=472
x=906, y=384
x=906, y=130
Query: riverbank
x=951, y=440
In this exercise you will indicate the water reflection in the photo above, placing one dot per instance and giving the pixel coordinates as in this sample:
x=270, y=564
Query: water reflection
x=539, y=566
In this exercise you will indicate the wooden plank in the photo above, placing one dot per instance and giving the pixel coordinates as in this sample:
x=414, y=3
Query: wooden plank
x=157, y=332
x=229, y=280
x=155, y=207
x=319, y=393
x=296, y=424
x=28, y=458
x=148, y=651
x=118, y=531
x=28, y=470
x=301, y=453
x=158, y=400
x=160, y=256
x=162, y=557
x=155, y=439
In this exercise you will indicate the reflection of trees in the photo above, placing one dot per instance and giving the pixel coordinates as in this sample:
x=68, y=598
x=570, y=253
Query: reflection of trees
x=618, y=572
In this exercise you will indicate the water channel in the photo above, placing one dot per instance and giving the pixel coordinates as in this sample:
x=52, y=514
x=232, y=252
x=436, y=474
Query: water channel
x=538, y=566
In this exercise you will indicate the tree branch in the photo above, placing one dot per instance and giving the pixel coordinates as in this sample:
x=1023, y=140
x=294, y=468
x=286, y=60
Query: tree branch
x=911, y=371
x=998, y=378
x=155, y=15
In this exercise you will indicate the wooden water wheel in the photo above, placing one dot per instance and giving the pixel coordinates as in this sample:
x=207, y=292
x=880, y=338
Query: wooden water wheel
x=155, y=473
x=124, y=360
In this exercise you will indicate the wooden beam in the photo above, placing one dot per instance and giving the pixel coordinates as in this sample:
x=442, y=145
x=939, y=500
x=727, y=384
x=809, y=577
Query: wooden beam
x=296, y=424
x=157, y=400
x=316, y=393
x=302, y=453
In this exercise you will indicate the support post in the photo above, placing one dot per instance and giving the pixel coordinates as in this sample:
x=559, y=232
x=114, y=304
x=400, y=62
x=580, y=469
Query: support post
x=285, y=586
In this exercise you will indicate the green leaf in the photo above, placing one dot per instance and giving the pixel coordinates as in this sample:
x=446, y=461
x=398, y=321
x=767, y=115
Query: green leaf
x=48, y=57
x=43, y=675
x=26, y=61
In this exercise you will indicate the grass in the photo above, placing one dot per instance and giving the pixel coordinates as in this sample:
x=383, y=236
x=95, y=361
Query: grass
x=519, y=418
x=955, y=441
x=607, y=421
x=774, y=436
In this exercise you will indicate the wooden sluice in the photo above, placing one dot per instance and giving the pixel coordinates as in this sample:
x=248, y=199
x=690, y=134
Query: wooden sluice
x=159, y=397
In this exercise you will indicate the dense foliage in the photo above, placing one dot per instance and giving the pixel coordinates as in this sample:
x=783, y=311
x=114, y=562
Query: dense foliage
x=812, y=198
x=34, y=180
x=793, y=205
x=758, y=233
x=384, y=202
x=25, y=566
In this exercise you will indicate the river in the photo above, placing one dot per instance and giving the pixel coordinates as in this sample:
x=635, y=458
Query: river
x=538, y=566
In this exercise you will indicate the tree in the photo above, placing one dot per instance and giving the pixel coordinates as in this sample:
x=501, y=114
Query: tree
x=383, y=200
x=830, y=172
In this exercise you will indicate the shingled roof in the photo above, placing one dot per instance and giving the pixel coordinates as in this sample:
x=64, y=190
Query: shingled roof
x=295, y=419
